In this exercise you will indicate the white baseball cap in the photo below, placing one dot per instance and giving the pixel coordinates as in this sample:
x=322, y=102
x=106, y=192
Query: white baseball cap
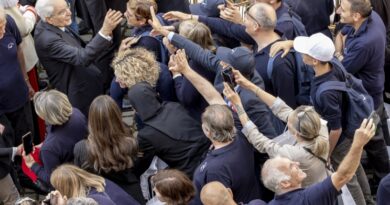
x=317, y=46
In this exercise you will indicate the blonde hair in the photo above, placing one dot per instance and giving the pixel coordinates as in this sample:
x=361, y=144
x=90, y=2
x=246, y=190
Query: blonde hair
x=53, y=106
x=307, y=122
x=197, y=32
x=136, y=65
x=73, y=182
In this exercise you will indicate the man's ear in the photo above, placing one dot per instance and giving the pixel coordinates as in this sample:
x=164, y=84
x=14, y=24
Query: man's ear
x=285, y=184
x=230, y=192
x=356, y=16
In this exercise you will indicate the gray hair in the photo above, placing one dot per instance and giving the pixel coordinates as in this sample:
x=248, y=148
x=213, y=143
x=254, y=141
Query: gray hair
x=45, y=8
x=264, y=17
x=272, y=176
x=81, y=201
x=219, y=120
x=53, y=106
x=363, y=7
x=8, y=3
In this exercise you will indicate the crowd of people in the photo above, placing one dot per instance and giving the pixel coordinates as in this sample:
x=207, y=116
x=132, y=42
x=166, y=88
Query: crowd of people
x=235, y=102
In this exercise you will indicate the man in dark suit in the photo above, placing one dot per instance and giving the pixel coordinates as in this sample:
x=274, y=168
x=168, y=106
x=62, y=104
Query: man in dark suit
x=69, y=62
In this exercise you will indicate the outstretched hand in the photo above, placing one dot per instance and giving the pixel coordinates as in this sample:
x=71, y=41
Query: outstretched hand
x=179, y=62
x=158, y=29
x=241, y=80
x=128, y=42
x=231, y=95
x=111, y=21
x=365, y=132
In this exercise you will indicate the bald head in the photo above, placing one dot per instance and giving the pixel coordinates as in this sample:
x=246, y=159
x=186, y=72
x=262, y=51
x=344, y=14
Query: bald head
x=265, y=15
x=215, y=193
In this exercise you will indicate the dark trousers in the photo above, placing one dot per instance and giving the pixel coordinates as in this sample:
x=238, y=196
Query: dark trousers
x=21, y=122
x=377, y=154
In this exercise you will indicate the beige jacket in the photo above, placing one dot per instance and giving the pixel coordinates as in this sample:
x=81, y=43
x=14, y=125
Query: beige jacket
x=25, y=23
x=313, y=167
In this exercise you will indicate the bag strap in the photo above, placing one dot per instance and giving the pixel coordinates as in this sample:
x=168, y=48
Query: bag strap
x=270, y=65
x=329, y=85
x=327, y=166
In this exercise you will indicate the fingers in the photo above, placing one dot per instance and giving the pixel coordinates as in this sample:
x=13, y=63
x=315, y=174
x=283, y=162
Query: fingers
x=285, y=52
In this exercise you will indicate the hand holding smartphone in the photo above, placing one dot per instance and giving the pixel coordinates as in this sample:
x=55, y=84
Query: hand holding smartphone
x=27, y=143
x=228, y=77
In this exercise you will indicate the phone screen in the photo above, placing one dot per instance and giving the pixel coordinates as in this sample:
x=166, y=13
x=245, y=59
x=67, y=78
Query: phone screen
x=375, y=117
x=27, y=143
x=228, y=77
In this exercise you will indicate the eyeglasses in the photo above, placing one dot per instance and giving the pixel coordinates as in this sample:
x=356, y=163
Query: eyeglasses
x=248, y=14
x=64, y=11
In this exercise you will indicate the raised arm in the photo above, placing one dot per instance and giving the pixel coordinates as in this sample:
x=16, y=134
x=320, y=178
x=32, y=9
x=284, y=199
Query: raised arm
x=205, y=88
x=351, y=161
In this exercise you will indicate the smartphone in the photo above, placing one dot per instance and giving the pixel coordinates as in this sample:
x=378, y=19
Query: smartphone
x=27, y=143
x=228, y=77
x=375, y=117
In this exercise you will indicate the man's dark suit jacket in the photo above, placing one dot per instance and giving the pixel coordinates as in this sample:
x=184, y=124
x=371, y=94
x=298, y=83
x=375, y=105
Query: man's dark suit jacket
x=6, y=142
x=70, y=63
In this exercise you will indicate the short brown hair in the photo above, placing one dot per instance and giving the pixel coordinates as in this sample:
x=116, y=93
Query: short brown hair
x=174, y=186
x=363, y=7
x=141, y=8
x=197, y=32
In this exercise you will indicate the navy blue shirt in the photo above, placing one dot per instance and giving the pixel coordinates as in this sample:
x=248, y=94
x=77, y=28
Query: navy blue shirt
x=13, y=87
x=59, y=144
x=331, y=100
x=283, y=83
x=286, y=27
x=321, y=193
x=383, y=194
x=314, y=14
x=112, y=195
x=188, y=95
x=257, y=111
x=364, y=55
x=233, y=166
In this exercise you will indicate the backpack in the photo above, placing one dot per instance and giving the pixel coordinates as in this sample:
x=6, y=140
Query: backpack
x=304, y=76
x=299, y=28
x=164, y=54
x=360, y=103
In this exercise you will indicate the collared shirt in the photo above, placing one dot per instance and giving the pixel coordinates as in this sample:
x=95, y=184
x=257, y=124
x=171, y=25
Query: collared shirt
x=364, y=55
x=322, y=193
x=227, y=165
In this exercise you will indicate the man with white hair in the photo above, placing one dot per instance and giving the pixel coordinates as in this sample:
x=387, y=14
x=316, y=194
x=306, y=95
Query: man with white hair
x=69, y=62
x=284, y=176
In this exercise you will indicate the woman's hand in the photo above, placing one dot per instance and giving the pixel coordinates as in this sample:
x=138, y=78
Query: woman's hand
x=180, y=62
x=241, y=80
x=28, y=159
x=128, y=42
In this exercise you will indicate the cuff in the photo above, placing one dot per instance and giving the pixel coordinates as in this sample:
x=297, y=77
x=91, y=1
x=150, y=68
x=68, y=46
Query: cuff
x=170, y=36
x=248, y=126
x=108, y=38
x=14, y=150
x=177, y=75
x=276, y=103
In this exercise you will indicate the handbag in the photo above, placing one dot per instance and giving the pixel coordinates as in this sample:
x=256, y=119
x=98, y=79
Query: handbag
x=345, y=197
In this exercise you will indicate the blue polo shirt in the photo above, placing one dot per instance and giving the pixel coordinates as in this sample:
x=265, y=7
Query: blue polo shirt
x=233, y=166
x=323, y=193
x=383, y=194
x=287, y=27
x=13, y=88
x=364, y=55
x=331, y=100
